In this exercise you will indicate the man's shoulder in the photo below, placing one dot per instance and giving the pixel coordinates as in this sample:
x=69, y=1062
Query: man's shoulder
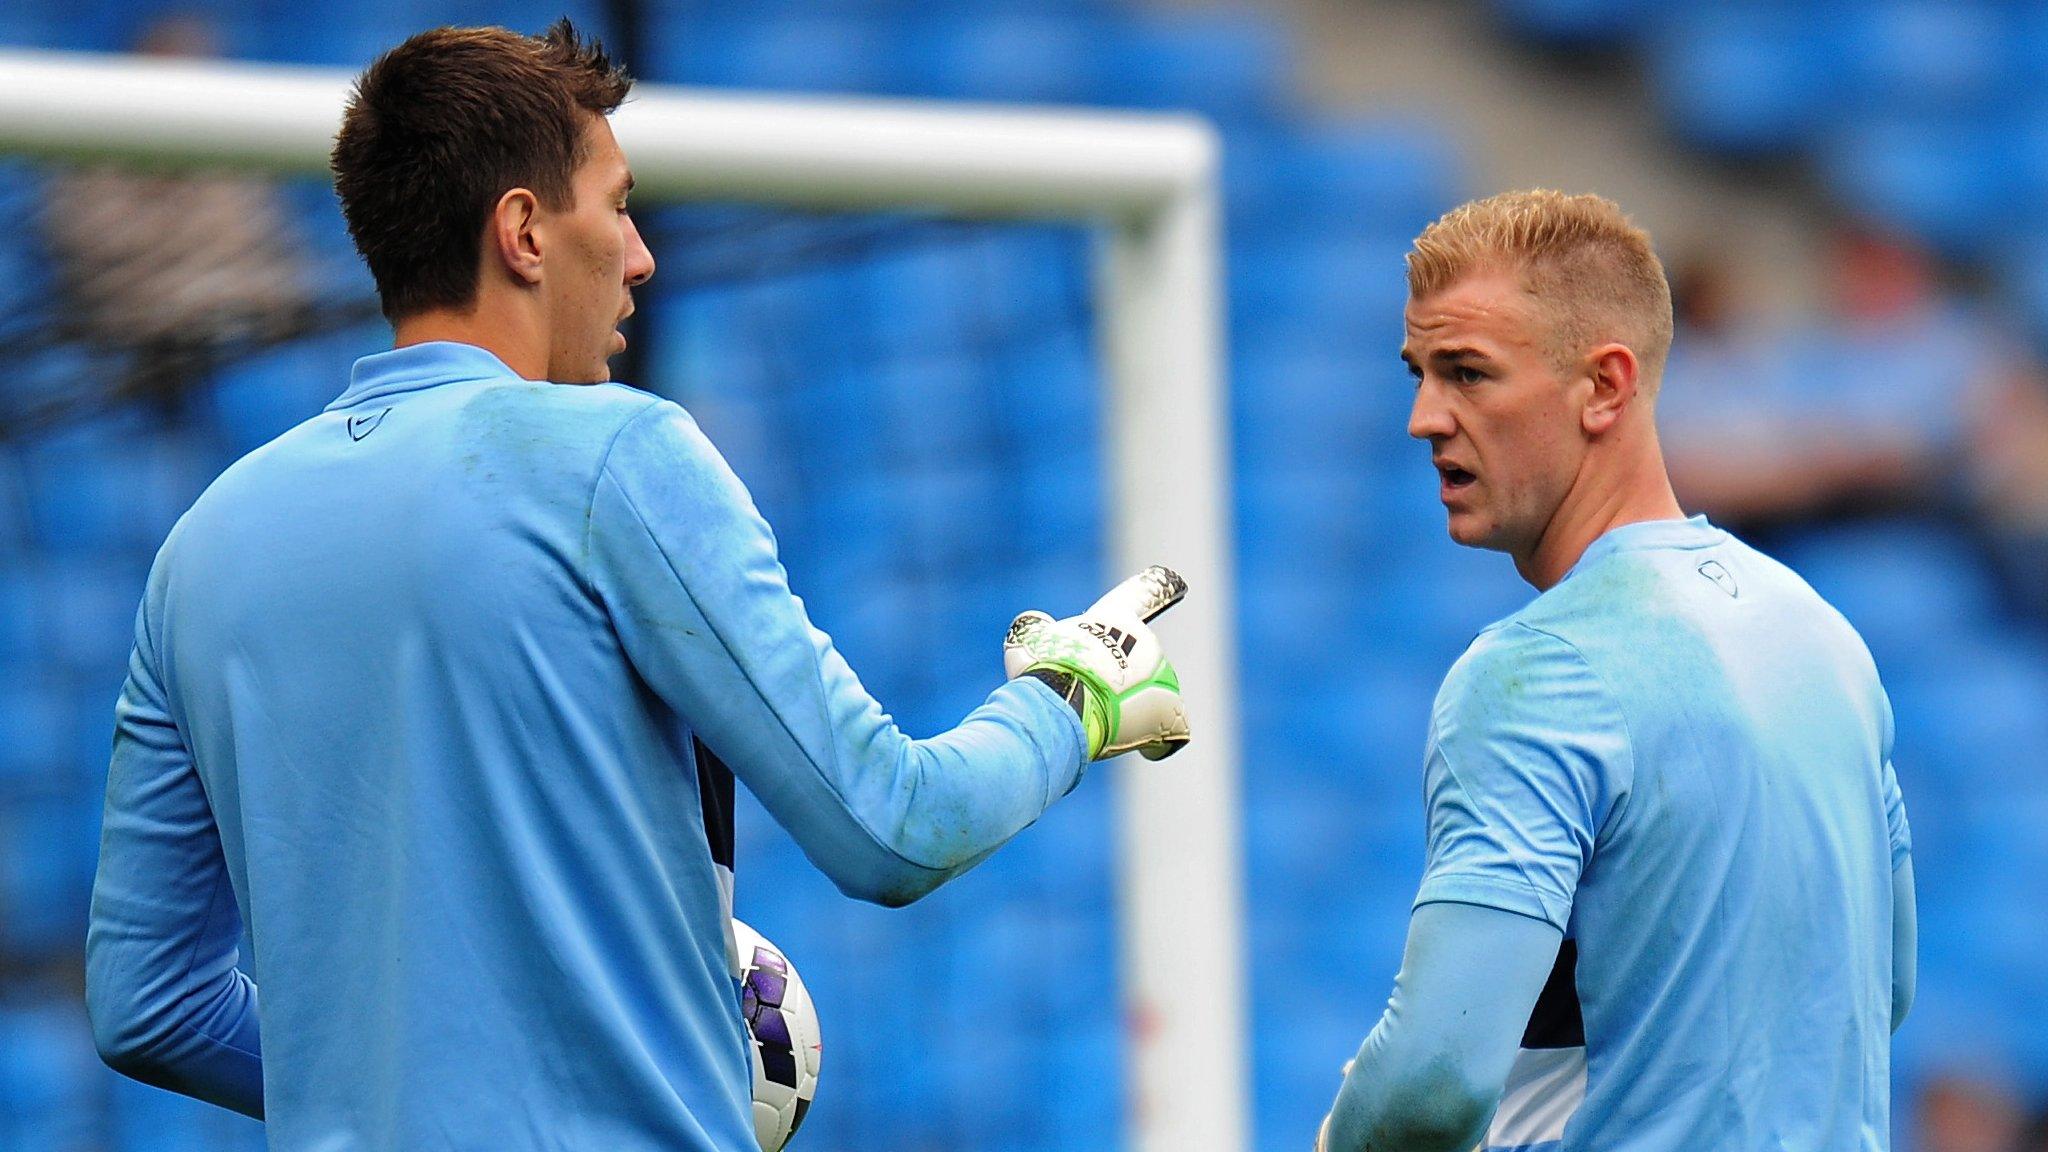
x=594, y=411
x=1516, y=667
x=1658, y=625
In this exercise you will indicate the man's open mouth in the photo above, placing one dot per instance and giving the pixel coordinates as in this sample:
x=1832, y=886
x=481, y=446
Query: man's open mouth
x=1454, y=476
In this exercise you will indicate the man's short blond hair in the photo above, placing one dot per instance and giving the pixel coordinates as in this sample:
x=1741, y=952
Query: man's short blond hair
x=1589, y=269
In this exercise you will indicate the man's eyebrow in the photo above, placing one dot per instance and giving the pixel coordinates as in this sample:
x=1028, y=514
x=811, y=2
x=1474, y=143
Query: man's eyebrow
x=1459, y=352
x=1449, y=355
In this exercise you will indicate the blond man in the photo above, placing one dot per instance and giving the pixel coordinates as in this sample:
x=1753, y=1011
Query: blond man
x=1668, y=898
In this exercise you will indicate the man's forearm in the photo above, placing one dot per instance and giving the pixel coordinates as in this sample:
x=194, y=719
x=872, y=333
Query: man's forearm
x=1430, y=1074
x=198, y=1036
x=1905, y=942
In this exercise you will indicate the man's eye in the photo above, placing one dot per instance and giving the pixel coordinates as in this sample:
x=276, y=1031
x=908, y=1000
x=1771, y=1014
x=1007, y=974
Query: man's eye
x=1466, y=374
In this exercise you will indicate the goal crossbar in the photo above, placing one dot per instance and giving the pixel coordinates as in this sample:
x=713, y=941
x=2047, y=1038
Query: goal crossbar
x=1150, y=181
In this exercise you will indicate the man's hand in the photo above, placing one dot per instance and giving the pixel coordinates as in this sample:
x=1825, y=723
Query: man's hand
x=1109, y=666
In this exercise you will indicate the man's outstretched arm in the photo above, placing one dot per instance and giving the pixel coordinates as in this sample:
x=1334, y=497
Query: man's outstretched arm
x=168, y=1005
x=1432, y=1071
x=689, y=573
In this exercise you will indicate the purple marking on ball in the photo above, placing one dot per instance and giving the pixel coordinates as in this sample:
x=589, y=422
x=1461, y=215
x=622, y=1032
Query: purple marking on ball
x=763, y=958
x=771, y=1028
x=748, y=1001
x=778, y=1064
x=768, y=986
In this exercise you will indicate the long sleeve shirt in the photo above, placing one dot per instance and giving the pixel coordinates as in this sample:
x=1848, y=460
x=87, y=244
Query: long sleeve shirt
x=441, y=695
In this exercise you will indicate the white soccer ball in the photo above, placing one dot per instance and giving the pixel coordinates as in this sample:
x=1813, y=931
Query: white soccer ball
x=784, y=1027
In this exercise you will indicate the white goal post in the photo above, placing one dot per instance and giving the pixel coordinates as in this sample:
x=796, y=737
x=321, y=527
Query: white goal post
x=1149, y=181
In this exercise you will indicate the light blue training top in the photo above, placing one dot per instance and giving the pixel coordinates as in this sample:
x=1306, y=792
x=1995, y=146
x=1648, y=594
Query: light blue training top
x=1681, y=757
x=436, y=693
x=1678, y=760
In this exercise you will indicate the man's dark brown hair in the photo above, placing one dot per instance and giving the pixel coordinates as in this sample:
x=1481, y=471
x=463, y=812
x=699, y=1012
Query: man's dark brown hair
x=443, y=125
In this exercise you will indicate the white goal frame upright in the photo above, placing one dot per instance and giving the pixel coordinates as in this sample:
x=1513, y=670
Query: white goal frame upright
x=1149, y=181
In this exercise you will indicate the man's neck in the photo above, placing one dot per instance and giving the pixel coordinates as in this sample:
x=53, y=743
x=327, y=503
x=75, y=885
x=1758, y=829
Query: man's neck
x=511, y=343
x=1601, y=501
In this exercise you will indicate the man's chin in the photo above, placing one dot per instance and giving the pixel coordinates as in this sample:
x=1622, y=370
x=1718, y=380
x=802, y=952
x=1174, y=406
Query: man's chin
x=1473, y=532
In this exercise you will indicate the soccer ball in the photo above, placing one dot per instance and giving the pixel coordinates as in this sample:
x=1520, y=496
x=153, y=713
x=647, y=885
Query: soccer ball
x=784, y=1028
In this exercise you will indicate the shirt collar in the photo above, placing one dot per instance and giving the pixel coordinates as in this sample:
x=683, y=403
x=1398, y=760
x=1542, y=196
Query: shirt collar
x=418, y=366
x=1643, y=535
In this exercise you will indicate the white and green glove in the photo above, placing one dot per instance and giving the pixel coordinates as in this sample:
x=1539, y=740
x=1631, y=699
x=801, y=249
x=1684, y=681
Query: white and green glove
x=1109, y=666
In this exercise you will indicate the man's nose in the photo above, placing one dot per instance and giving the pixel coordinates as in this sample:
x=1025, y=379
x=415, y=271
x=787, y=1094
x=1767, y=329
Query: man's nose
x=639, y=261
x=1429, y=418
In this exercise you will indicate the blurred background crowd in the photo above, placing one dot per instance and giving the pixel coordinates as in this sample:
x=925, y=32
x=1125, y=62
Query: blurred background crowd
x=1851, y=197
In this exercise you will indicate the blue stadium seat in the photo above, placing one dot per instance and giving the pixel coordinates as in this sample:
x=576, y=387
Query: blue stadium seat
x=89, y=609
x=1360, y=731
x=1350, y=287
x=2027, y=29
x=35, y=720
x=1747, y=78
x=1944, y=178
x=1582, y=22
x=79, y=481
x=932, y=411
x=47, y=857
x=1960, y=1023
x=1084, y=1087
x=1233, y=65
x=1381, y=177
x=1313, y=522
x=1316, y=840
x=1321, y=983
x=321, y=234
x=116, y=484
x=1429, y=597
x=17, y=530
x=340, y=35
x=1287, y=619
x=1969, y=712
x=49, y=1075
x=592, y=17
x=1022, y=56
x=1049, y=389
x=1892, y=579
x=929, y=293
x=30, y=24
x=791, y=52
x=25, y=272
x=847, y=532
x=21, y=614
x=708, y=351
x=1306, y=403
x=1913, y=55
x=257, y=399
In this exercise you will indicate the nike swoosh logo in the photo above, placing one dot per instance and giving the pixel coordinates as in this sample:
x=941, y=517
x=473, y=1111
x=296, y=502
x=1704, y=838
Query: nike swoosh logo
x=361, y=426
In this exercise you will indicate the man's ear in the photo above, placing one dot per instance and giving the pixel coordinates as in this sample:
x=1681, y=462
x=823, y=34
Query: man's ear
x=510, y=235
x=1614, y=371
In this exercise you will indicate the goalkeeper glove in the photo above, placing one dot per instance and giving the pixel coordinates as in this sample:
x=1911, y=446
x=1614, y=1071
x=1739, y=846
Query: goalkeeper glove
x=1109, y=666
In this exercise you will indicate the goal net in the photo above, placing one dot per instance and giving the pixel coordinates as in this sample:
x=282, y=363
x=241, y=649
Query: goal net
x=967, y=360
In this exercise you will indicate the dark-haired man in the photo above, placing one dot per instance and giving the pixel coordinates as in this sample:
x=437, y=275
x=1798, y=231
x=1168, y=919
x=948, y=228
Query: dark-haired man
x=436, y=692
